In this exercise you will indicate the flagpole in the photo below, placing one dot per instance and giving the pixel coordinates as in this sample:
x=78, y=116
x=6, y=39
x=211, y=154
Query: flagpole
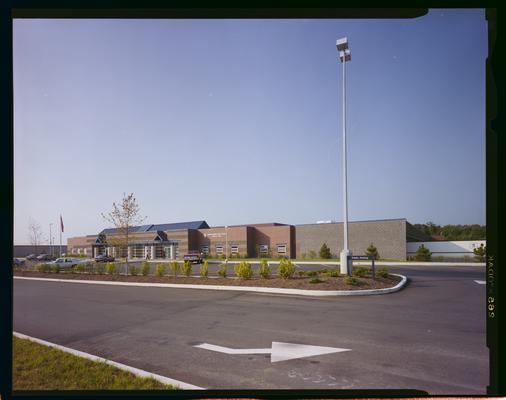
x=61, y=229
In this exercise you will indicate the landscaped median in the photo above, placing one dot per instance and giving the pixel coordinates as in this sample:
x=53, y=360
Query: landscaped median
x=324, y=282
x=41, y=367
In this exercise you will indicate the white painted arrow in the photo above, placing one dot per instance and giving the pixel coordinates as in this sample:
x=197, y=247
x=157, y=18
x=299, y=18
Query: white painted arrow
x=279, y=351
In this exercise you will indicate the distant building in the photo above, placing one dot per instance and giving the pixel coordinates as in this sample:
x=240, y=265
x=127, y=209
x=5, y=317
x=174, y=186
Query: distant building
x=171, y=241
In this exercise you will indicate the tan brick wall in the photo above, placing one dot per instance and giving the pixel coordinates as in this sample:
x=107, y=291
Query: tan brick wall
x=389, y=237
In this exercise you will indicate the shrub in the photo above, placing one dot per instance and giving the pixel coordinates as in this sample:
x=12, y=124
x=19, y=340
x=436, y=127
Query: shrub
x=204, y=269
x=312, y=254
x=174, y=267
x=134, y=271
x=333, y=273
x=187, y=268
x=286, y=269
x=480, y=253
x=303, y=256
x=110, y=268
x=88, y=267
x=302, y=273
x=372, y=251
x=350, y=280
x=243, y=270
x=359, y=271
x=382, y=273
x=145, y=268
x=322, y=271
x=325, y=251
x=99, y=268
x=78, y=268
x=423, y=254
x=223, y=271
x=160, y=269
x=41, y=267
x=316, y=280
x=312, y=273
x=265, y=270
x=55, y=268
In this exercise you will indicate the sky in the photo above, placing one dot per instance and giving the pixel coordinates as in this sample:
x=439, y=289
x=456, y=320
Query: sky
x=240, y=121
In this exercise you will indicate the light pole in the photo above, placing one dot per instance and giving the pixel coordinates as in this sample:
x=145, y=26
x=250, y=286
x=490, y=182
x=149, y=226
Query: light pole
x=344, y=56
x=226, y=244
x=50, y=242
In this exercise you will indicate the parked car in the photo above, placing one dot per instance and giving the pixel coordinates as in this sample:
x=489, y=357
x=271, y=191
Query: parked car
x=193, y=257
x=45, y=257
x=31, y=257
x=18, y=262
x=65, y=262
x=104, y=258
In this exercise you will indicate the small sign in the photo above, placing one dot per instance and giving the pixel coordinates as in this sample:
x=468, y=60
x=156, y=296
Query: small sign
x=362, y=257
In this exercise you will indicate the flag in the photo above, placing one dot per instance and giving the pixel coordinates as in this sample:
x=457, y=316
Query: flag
x=61, y=223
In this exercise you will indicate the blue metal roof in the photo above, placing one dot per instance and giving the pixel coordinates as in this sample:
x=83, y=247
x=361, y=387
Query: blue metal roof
x=180, y=225
x=161, y=227
x=133, y=229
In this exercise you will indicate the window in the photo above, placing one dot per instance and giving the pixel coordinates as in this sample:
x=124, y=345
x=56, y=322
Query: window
x=205, y=250
x=219, y=249
x=234, y=249
x=281, y=248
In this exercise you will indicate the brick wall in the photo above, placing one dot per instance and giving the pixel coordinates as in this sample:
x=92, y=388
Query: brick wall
x=389, y=237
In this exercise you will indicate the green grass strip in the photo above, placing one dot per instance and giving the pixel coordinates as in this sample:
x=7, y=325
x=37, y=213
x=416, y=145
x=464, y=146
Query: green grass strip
x=39, y=367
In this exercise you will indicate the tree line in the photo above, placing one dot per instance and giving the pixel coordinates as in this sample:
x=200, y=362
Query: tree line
x=454, y=232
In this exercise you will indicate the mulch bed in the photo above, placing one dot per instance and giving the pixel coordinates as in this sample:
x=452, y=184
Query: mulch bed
x=330, y=283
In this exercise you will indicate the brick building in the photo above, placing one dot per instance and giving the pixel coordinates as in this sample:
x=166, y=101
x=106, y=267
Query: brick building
x=172, y=241
x=389, y=236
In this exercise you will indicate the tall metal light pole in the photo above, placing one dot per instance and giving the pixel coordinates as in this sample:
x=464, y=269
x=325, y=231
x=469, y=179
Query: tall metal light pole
x=226, y=243
x=344, y=56
x=50, y=242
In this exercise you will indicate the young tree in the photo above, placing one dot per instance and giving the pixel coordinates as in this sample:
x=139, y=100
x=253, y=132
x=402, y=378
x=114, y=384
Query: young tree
x=35, y=234
x=124, y=217
x=372, y=251
x=423, y=254
x=480, y=253
x=325, y=251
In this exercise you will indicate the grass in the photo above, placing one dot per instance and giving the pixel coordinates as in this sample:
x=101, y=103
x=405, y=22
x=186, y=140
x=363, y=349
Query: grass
x=39, y=367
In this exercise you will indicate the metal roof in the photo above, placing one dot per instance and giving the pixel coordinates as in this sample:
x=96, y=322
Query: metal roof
x=161, y=227
x=180, y=225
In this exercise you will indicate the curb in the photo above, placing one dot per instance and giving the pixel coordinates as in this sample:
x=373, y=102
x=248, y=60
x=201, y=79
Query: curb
x=139, y=372
x=335, y=263
x=301, y=292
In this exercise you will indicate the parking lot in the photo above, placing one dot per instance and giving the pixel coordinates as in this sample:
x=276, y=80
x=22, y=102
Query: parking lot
x=429, y=336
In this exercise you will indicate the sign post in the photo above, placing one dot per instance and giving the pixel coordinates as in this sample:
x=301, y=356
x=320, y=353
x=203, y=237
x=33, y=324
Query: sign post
x=372, y=258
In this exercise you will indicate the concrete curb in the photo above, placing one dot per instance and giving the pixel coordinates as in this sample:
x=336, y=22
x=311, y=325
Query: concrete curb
x=139, y=372
x=335, y=263
x=300, y=292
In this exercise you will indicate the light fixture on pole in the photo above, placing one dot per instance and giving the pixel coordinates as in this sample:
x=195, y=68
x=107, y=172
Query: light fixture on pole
x=50, y=242
x=226, y=243
x=344, y=56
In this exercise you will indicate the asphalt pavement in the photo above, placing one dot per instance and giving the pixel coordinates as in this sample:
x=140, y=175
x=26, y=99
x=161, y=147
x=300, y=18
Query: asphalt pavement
x=429, y=336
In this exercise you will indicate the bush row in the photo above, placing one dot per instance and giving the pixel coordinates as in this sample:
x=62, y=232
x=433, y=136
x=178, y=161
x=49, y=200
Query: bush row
x=243, y=270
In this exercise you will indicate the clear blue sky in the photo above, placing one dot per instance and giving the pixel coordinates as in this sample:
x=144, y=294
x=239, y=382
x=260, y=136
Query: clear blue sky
x=238, y=121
